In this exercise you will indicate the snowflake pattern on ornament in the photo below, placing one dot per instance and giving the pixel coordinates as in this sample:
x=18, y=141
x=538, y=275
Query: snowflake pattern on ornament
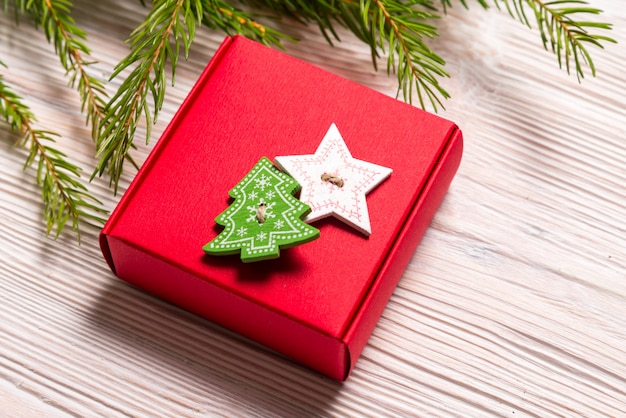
x=264, y=217
x=333, y=182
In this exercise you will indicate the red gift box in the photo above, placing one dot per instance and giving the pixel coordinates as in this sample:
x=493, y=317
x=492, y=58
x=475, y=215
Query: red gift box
x=319, y=302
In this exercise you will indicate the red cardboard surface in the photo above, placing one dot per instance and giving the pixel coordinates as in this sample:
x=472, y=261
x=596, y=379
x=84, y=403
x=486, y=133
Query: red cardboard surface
x=319, y=302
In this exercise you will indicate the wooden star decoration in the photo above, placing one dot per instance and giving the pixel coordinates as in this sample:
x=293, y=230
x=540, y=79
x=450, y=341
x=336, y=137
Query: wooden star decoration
x=333, y=182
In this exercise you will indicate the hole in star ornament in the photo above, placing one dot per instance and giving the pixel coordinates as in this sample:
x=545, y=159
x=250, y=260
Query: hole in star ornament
x=333, y=182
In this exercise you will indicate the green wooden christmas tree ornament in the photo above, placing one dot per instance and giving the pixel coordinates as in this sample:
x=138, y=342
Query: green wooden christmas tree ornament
x=264, y=217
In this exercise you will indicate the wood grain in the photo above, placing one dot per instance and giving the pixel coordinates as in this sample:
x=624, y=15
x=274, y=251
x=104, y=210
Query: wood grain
x=513, y=305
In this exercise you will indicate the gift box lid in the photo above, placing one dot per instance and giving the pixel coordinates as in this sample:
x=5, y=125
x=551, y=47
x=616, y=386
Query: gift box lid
x=317, y=302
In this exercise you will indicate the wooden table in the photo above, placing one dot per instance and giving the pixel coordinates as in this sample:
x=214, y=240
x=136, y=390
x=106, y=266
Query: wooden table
x=513, y=305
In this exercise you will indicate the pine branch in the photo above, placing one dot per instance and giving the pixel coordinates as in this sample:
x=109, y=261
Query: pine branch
x=65, y=197
x=221, y=15
x=324, y=13
x=561, y=30
x=395, y=27
x=170, y=25
x=54, y=17
x=399, y=29
x=566, y=35
x=401, y=26
x=70, y=46
x=153, y=43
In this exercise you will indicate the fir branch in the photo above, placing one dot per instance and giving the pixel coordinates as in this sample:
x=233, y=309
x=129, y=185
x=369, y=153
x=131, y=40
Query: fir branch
x=398, y=28
x=170, y=25
x=401, y=26
x=153, y=43
x=324, y=13
x=218, y=14
x=566, y=35
x=65, y=197
x=395, y=27
x=562, y=26
x=70, y=46
x=54, y=17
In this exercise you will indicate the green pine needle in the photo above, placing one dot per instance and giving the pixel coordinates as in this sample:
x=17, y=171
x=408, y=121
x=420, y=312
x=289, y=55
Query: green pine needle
x=402, y=27
x=563, y=27
x=170, y=24
x=169, y=27
x=65, y=198
x=397, y=29
x=54, y=17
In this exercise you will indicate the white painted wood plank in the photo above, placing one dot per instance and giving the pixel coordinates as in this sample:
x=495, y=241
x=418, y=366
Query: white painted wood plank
x=514, y=303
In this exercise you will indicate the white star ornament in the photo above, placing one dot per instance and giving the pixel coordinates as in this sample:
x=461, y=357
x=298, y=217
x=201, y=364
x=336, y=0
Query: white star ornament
x=333, y=182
